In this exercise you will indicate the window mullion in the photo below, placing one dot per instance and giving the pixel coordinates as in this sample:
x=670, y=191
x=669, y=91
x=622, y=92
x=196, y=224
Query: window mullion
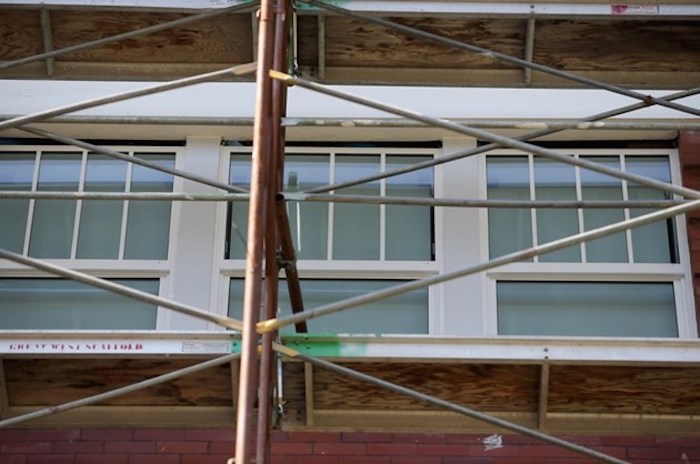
x=533, y=211
x=579, y=197
x=78, y=206
x=625, y=197
x=125, y=209
x=30, y=210
x=382, y=210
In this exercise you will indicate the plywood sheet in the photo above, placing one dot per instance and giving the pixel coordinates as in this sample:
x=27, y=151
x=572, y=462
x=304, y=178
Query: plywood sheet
x=223, y=39
x=624, y=390
x=486, y=387
x=351, y=42
x=44, y=382
x=633, y=46
x=20, y=34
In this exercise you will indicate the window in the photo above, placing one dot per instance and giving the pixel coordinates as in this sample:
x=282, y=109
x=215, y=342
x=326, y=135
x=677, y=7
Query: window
x=346, y=249
x=84, y=229
x=627, y=284
x=41, y=304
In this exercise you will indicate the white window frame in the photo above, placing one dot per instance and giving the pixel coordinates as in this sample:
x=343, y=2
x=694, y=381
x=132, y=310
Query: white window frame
x=678, y=273
x=332, y=269
x=103, y=268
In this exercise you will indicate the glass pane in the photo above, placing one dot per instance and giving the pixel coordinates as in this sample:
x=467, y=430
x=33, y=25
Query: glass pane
x=52, y=225
x=45, y=304
x=307, y=220
x=510, y=230
x=100, y=220
x=656, y=242
x=600, y=187
x=409, y=228
x=403, y=314
x=16, y=171
x=148, y=223
x=239, y=175
x=615, y=309
x=556, y=181
x=356, y=226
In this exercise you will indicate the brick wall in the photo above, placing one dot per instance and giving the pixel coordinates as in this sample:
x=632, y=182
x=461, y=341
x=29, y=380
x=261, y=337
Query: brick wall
x=689, y=149
x=215, y=446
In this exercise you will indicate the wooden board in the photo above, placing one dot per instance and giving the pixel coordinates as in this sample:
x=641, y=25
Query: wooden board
x=488, y=387
x=630, y=390
x=20, y=34
x=44, y=382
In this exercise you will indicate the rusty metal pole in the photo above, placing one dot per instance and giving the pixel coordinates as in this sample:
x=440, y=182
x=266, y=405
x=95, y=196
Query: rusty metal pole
x=274, y=185
x=248, y=382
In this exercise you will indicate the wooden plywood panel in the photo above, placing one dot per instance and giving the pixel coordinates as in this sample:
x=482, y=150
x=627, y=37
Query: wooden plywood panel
x=307, y=46
x=619, y=45
x=358, y=43
x=294, y=393
x=634, y=390
x=20, y=34
x=486, y=387
x=223, y=39
x=44, y=382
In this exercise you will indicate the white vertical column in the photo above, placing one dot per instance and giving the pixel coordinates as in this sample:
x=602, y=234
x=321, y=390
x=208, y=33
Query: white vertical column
x=193, y=247
x=460, y=305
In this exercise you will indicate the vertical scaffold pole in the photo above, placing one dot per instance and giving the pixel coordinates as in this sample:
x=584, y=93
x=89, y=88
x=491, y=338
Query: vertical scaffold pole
x=274, y=185
x=248, y=382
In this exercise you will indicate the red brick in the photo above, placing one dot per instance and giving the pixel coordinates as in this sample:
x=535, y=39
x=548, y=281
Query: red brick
x=692, y=442
x=340, y=449
x=13, y=459
x=160, y=435
x=210, y=434
x=54, y=434
x=155, y=459
x=208, y=459
x=416, y=460
x=101, y=459
x=462, y=438
x=277, y=435
x=131, y=447
x=628, y=440
x=359, y=437
x=395, y=449
x=182, y=447
x=364, y=460
x=13, y=435
x=584, y=440
x=291, y=448
x=463, y=460
x=106, y=434
x=546, y=451
x=313, y=437
x=419, y=438
x=221, y=447
x=304, y=459
x=50, y=459
x=653, y=452
x=443, y=450
x=86, y=447
x=37, y=447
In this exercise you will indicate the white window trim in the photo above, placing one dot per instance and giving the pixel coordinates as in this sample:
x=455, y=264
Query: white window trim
x=680, y=274
x=330, y=269
x=105, y=268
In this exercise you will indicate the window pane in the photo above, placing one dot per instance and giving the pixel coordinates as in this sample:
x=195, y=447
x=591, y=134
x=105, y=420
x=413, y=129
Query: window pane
x=652, y=243
x=556, y=181
x=618, y=309
x=52, y=225
x=44, y=304
x=101, y=220
x=148, y=223
x=509, y=229
x=403, y=314
x=16, y=171
x=409, y=228
x=307, y=220
x=356, y=226
x=239, y=175
x=600, y=187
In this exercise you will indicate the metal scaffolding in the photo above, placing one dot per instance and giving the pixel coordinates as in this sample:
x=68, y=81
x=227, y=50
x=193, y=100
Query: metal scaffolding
x=268, y=226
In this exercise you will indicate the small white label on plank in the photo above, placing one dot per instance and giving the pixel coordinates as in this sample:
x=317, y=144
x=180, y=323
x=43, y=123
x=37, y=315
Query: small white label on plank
x=206, y=347
x=624, y=9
